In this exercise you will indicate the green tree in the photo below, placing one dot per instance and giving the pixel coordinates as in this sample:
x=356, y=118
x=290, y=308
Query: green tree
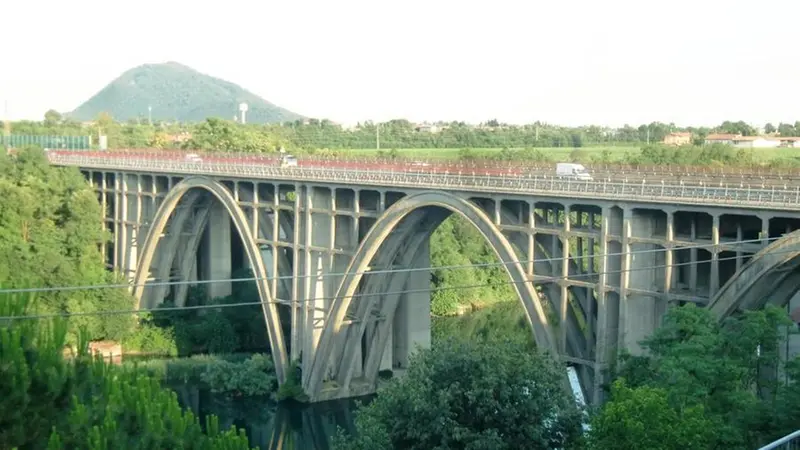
x=770, y=128
x=50, y=235
x=52, y=118
x=462, y=395
x=643, y=418
x=726, y=370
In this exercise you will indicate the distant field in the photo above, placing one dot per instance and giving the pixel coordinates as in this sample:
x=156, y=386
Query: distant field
x=556, y=153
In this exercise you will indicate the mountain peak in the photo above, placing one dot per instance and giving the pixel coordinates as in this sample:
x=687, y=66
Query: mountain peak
x=176, y=92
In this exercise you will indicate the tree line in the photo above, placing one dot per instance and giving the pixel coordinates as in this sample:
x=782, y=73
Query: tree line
x=314, y=134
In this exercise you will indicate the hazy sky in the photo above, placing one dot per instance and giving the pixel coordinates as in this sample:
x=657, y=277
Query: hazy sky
x=562, y=61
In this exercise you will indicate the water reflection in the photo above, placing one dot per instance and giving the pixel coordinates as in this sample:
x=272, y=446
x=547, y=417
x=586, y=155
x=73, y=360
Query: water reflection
x=272, y=426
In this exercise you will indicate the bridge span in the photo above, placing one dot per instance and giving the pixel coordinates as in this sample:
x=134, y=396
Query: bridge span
x=595, y=264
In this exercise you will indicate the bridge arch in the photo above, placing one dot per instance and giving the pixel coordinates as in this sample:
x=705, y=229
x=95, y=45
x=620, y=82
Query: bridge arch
x=771, y=276
x=416, y=207
x=189, y=187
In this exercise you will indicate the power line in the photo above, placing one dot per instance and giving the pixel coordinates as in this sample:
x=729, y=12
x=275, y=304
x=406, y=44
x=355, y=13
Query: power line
x=371, y=272
x=359, y=295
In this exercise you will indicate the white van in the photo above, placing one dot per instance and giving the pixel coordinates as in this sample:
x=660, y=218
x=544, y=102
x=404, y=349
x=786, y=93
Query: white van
x=193, y=158
x=572, y=171
x=288, y=161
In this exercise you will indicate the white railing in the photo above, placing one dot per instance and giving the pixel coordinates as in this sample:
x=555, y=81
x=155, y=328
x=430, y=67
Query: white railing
x=788, y=442
x=776, y=197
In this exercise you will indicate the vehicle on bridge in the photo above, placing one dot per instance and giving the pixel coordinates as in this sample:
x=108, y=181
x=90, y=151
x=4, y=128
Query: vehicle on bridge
x=288, y=161
x=192, y=157
x=573, y=171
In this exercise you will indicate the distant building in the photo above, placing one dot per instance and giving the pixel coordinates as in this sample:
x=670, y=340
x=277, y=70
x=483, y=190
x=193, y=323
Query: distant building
x=425, y=128
x=789, y=141
x=722, y=138
x=756, y=142
x=682, y=138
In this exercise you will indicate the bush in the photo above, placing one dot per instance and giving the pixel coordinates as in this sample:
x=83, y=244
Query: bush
x=472, y=396
x=232, y=374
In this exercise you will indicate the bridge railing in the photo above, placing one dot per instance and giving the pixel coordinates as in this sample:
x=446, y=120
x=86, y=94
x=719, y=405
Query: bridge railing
x=788, y=442
x=717, y=194
x=750, y=175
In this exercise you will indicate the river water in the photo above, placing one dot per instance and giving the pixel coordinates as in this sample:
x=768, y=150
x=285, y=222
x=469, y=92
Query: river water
x=272, y=426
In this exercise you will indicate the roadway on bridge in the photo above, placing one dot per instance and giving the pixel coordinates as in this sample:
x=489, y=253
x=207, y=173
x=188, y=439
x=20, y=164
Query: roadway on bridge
x=685, y=175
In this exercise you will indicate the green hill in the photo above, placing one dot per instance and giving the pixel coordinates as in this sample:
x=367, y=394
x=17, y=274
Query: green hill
x=177, y=92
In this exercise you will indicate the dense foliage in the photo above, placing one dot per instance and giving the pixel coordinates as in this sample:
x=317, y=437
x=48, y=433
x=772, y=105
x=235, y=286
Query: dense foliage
x=704, y=385
x=461, y=395
x=233, y=374
x=48, y=402
x=50, y=232
x=176, y=92
x=220, y=330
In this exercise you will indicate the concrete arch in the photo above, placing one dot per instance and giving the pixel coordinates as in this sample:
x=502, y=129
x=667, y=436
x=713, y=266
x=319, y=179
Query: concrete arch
x=239, y=220
x=371, y=245
x=171, y=243
x=400, y=248
x=758, y=281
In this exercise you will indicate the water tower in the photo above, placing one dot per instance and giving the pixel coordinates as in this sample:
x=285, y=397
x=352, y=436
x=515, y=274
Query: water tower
x=243, y=112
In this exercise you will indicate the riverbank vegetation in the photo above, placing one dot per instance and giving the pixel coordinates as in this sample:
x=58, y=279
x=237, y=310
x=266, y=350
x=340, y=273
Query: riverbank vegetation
x=49, y=402
x=703, y=384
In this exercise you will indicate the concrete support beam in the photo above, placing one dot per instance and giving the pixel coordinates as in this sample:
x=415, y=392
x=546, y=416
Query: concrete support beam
x=412, y=321
x=739, y=253
x=669, y=255
x=693, y=257
x=714, y=282
x=565, y=304
x=218, y=252
x=643, y=270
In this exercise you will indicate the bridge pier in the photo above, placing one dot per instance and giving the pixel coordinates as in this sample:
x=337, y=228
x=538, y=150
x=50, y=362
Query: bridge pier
x=217, y=252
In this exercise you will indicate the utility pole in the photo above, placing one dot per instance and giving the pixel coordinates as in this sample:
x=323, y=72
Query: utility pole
x=150, y=114
x=377, y=135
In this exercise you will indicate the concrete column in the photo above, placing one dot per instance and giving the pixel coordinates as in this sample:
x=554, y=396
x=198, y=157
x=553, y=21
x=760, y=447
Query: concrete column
x=134, y=219
x=122, y=238
x=693, y=257
x=765, y=231
x=739, y=253
x=297, y=334
x=642, y=279
x=307, y=304
x=669, y=277
x=563, y=281
x=592, y=244
x=412, y=321
x=356, y=214
x=218, y=252
x=714, y=282
x=531, y=238
x=497, y=208
x=605, y=337
x=625, y=275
